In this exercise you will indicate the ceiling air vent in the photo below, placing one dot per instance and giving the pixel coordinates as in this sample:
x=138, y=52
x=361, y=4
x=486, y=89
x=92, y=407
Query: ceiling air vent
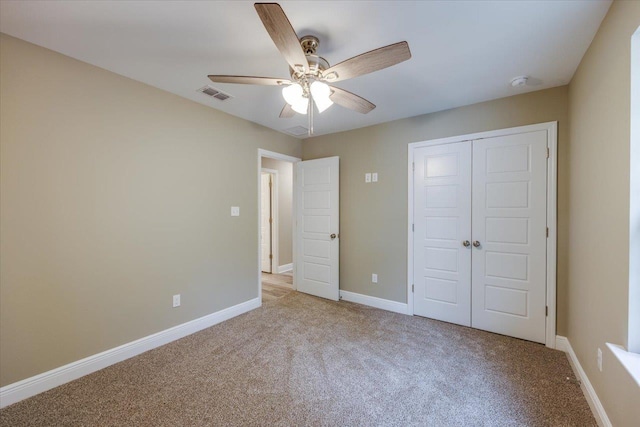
x=298, y=131
x=215, y=93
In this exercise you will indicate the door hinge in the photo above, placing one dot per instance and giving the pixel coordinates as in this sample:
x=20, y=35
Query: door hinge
x=413, y=228
x=270, y=256
x=270, y=220
x=413, y=288
x=413, y=166
x=546, y=310
x=547, y=152
x=547, y=231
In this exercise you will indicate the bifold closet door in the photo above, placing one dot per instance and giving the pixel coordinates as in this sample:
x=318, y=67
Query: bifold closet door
x=509, y=235
x=442, y=221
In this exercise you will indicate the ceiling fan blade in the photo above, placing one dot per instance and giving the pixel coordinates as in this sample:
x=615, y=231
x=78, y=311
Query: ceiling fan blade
x=287, y=112
x=368, y=62
x=350, y=100
x=282, y=34
x=269, y=81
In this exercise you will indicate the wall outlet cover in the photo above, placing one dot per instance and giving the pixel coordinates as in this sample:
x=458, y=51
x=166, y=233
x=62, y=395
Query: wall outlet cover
x=367, y=177
x=374, y=278
x=235, y=211
x=176, y=300
x=374, y=177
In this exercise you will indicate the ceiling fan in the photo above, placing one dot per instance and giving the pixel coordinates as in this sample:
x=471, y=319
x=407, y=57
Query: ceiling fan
x=310, y=73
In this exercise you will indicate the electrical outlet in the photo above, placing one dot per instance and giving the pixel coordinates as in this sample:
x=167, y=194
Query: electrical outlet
x=176, y=301
x=600, y=360
x=374, y=278
x=374, y=177
x=367, y=177
x=235, y=211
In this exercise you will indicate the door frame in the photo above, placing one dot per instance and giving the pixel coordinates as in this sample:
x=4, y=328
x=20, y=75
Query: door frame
x=274, y=218
x=277, y=156
x=552, y=213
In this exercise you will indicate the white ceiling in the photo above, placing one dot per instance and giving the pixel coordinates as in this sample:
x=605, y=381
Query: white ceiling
x=463, y=52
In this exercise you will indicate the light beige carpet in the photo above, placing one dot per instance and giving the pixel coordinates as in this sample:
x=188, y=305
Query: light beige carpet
x=301, y=360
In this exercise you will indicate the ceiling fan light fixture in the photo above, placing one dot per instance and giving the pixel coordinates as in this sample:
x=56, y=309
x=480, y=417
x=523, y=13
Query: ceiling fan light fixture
x=321, y=92
x=301, y=106
x=292, y=93
x=294, y=96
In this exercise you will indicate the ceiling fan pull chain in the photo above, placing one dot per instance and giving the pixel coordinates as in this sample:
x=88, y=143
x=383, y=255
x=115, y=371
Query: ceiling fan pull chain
x=310, y=115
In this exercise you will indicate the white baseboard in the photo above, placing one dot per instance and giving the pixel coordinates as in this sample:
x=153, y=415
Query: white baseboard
x=28, y=387
x=563, y=344
x=384, y=304
x=285, y=268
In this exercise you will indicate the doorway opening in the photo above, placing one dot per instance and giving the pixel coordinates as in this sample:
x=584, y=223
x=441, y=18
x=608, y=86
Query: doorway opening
x=276, y=213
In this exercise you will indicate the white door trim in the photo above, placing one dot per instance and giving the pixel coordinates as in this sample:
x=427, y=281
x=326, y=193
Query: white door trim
x=552, y=184
x=277, y=156
x=274, y=215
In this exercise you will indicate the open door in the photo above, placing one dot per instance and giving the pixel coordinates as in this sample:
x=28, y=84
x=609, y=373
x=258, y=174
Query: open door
x=266, y=222
x=318, y=228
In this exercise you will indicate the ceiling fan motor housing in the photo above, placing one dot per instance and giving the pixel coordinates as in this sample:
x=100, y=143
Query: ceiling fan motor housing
x=317, y=64
x=309, y=44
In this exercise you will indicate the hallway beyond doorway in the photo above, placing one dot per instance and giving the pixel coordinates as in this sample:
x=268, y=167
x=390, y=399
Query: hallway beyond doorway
x=275, y=286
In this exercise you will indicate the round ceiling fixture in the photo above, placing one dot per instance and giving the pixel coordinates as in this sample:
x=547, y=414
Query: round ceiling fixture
x=519, y=81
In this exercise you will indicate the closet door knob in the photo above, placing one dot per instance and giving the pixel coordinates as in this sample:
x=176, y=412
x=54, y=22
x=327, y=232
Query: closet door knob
x=476, y=244
x=333, y=236
x=466, y=244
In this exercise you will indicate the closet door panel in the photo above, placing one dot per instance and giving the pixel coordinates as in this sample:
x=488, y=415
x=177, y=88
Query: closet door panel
x=509, y=235
x=442, y=221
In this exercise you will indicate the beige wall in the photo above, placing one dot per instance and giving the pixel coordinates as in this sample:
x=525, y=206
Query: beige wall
x=285, y=208
x=373, y=217
x=598, y=251
x=115, y=196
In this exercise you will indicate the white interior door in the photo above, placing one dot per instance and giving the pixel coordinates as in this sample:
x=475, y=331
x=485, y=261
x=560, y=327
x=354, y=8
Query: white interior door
x=442, y=221
x=318, y=227
x=509, y=233
x=265, y=222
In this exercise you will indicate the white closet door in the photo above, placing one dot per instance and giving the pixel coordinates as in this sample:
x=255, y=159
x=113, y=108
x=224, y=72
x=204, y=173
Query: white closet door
x=442, y=221
x=509, y=227
x=318, y=222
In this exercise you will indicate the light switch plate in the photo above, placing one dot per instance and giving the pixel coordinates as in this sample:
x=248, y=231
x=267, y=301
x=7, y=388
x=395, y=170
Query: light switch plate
x=367, y=177
x=374, y=177
x=235, y=211
x=374, y=278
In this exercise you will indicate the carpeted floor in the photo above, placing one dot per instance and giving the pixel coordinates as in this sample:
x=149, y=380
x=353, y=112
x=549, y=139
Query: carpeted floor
x=301, y=360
